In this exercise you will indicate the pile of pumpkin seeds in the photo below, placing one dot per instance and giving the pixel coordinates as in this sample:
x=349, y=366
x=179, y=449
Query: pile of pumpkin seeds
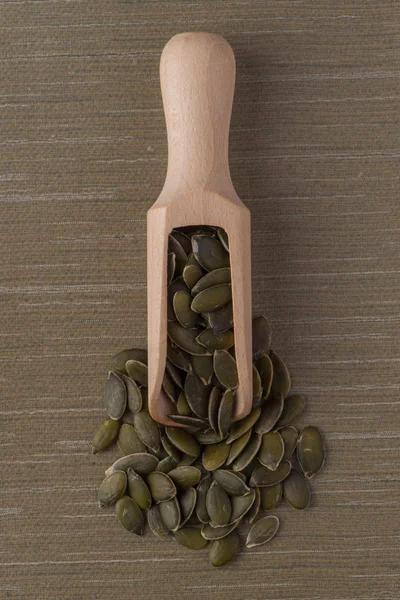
x=208, y=479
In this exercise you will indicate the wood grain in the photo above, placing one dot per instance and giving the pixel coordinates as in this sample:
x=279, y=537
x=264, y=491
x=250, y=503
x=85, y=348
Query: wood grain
x=314, y=155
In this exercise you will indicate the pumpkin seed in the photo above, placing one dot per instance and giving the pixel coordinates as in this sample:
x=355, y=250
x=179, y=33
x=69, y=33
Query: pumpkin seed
x=138, y=371
x=186, y=460
x=225, y=369
x=182, y=406
x=155, y=522
x=182, y=440
x=292, y=408
x=193, y=422
x=161, y=486
x=262, y=531
x=147, y=430
x=134, y=395
x=296, y=491
x=263, y=477
x=201, y=506
x=266, y=371
x=240, y=427
x=112, y=488
x=247, y=455
x=261, y=337
x=185, y=477
x=170, y=513
x=187, y=502
x=271, y=450
x=141, y=462
x=191, y=261
x=238, y=446
x=183, y=239
x=211, y=279
x=255, y=507
x=242, y=504
x=281, y=379
x=223, y=238
x=129, y=515
x=178, y=357
x=138, y=490
x=218, y=505
x=203, y=367
x=224, y=550
x=119, y=360
x=231, y=482
x=178, y=285
x=197, y=395
x=225, y=413
x=166, y=464
x=191, y=538
x=270, y=413
x=105, y=435
x=310, y=451
x=213, y=409
x=216, y=341
x=180, y=255
x=209, y=252
x=171, y=263
x=129, y=441
x=169, y=387
x=215, y=455
x=222, y=319
x=169, y=447
x=191, y=275
x=186, y=339
x=207, y=437
x=270, y=496
x=115, y=396
x=181, y=303
x=289, y=436
x=257, y=389
x=212, y=299
x=217, y=533
x=176, y=376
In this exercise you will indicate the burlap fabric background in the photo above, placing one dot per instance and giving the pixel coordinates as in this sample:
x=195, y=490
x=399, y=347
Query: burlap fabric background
x=315, y=156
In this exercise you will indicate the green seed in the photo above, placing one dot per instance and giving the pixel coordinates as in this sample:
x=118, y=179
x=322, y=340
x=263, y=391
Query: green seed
x=176, y=286
x=261, y=336
x=161, y=486
x=209, y=252
x=193, y=422
x=211, y=279
x=240, y=427
x=213, y=408
x=255, y=507
x=201, y=506
x=187, y=503
x=176, y=376
x=171, y=263
x=263, y=477
x=215, y=455
x=197, y=395
x=134, y=395
x=238, y=446
x=186, y=339
x=289, y=436
x=257, y=389
x=222, y=319
x=105, y=435
x=115, y=396
x=247, y=455
x=270, y=496
x=112, y=488
x=223, y=238
x=166, y=464
x=185, y=477
x=242, y=504
x=180, y=255
x=170, y=513
x=218, y=505
x=129, y=441
x=230, y=482
x=138, y=371
x=178, y=357
x=217, y=533
x=183, y=239
x=191, y=275
x=266, y=371
x=310, y=451
x=129, y=515
x=182, y=406
x=169, y=387
x=216, y=341
x=138, y=490
x=225, y=369
x=147, y=430
x=156, y=524
x=271, y=450
x=292, y=409
x=296, y=491
x=182, y=302
x=203, y=367
x=182, y=440
x=212, y=298
x=281, y=380
x=207, y=437
x=191, y=538
x=270, y=413
x=191, y=261
x=119, y=360
x=225, y=413
x=169, y=447
x=186, y=460
x=141, y=462
x=262, y=531
x=224, y=550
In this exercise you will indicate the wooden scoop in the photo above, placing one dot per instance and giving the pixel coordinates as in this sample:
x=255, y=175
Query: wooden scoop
x=197, y=72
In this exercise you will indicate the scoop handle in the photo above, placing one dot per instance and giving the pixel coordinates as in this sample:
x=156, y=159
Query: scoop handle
x=197, y=72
